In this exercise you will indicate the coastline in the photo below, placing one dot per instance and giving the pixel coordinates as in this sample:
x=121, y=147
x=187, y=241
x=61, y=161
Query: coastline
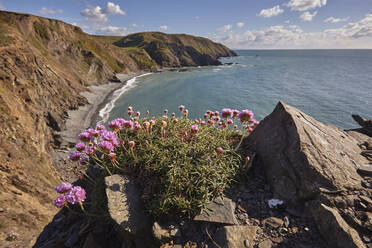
x=98, y=97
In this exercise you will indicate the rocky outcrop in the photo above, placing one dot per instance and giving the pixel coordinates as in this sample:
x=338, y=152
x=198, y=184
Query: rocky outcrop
x=125, y=206
x=309, y=162
x=176, y=50
x=365, y=124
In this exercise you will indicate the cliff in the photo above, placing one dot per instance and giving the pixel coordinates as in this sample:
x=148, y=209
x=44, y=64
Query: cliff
x=44, y=65
x=175, y=50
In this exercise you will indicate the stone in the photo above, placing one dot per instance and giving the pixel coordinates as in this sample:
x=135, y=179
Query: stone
x=91, y=242
x=300, y=154
x=273, y=222
x=265, y=244
x=165, y=234
x=306, y=161
x=329, y=221
x=236, y=236
x=125, y=206
x=219, y=211
x=366, y=168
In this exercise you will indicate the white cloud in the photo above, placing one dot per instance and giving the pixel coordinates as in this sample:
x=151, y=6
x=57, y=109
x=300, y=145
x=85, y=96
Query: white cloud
x=307, y=16
x=356, y=30
x=113, y=9
x=196, y=17
x=240, y=24
x=302, y=5
x=335, y=20
x=225, y=28
x=274, y=11
x=287, y=22
x=46, y=11
x=112, y=30
x=98, y=14
x=163, y=28
x=134, y=25
x=351, y=35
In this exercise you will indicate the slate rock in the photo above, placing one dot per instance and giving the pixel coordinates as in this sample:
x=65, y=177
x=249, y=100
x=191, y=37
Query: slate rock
x=219, y=211
x=236, y=236
x=125, y=206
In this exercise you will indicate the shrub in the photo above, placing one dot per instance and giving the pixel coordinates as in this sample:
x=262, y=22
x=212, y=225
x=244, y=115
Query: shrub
x=181, y=164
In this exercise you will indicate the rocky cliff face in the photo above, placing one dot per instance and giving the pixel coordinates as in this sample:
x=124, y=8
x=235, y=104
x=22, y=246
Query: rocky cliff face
x=177, y=50
x=44, y=64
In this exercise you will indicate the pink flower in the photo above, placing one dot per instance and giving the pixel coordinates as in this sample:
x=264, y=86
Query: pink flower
x=85, y=137
x=229, y=121
x=60, y=201
x=202, y=123
x=63, y=187
x=89, y=151
x=131, y=144
x=80, y=147
x=194, y=128
x=235, y=113
x=76, y=194
x=128, y=124
x=112, y=155
x=219, y=150
x=106, y=146
x=245, y=115
x=75, y=156
x=181, y=107
x=226, y=113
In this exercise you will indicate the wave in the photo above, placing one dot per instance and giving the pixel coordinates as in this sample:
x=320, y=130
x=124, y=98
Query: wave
x=104, y=113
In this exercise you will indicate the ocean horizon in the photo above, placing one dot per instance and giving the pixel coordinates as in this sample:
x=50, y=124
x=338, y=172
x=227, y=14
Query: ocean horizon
x=328, y=84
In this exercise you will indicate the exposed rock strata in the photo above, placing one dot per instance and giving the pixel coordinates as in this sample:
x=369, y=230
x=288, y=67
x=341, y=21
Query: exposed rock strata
x=317, y=164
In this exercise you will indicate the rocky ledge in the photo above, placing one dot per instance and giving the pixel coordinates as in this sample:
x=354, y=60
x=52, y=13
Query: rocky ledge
x=308, y=186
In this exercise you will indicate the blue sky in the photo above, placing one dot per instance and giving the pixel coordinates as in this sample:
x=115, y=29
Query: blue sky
x=249, y=24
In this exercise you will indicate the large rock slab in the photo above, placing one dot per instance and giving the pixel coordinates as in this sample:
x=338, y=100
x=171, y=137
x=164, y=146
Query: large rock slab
x=236, y=236
x=306, y=161
x=301, y=155
x=219, y=211
x=125, y=206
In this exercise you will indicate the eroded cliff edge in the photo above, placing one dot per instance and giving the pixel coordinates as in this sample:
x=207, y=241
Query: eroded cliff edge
x=44, y=65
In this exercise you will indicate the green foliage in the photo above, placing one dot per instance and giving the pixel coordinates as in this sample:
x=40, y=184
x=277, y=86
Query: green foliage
x=180, y=171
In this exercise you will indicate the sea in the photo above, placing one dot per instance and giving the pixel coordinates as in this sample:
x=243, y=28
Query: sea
x=328, y=85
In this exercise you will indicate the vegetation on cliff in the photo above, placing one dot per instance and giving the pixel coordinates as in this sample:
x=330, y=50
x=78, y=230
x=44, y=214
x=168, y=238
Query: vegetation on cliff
x=181, y=164
x=175, y=50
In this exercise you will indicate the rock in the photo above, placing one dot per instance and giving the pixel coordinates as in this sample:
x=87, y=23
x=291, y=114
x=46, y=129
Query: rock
x=265, y=244
x=219, y=211
x=236, y=236
x=305, y=159
x=165, y=234
x=300, y=154
x=273, y=222
x=367, y=169
x=365, y=124
x=125, y=206
x=330, y=222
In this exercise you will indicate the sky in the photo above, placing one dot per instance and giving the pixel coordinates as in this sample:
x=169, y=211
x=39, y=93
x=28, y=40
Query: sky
x=239, y=24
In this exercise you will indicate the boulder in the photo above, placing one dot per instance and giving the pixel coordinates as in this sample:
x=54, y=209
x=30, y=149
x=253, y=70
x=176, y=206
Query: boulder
x=330, y=221
x=219, y=211
x=312, y=163
x=236, y=236
x=301, y=155
x=364, y=123
x=125, y=206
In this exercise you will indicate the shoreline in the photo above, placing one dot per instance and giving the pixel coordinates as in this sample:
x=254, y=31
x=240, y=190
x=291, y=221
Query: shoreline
x=87, y=115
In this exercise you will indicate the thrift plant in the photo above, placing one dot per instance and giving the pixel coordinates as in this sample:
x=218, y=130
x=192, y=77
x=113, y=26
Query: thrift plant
x=181, y=164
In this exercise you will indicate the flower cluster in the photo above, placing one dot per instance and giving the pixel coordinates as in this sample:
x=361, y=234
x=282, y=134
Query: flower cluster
x=70, y=194
x=192, y=160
